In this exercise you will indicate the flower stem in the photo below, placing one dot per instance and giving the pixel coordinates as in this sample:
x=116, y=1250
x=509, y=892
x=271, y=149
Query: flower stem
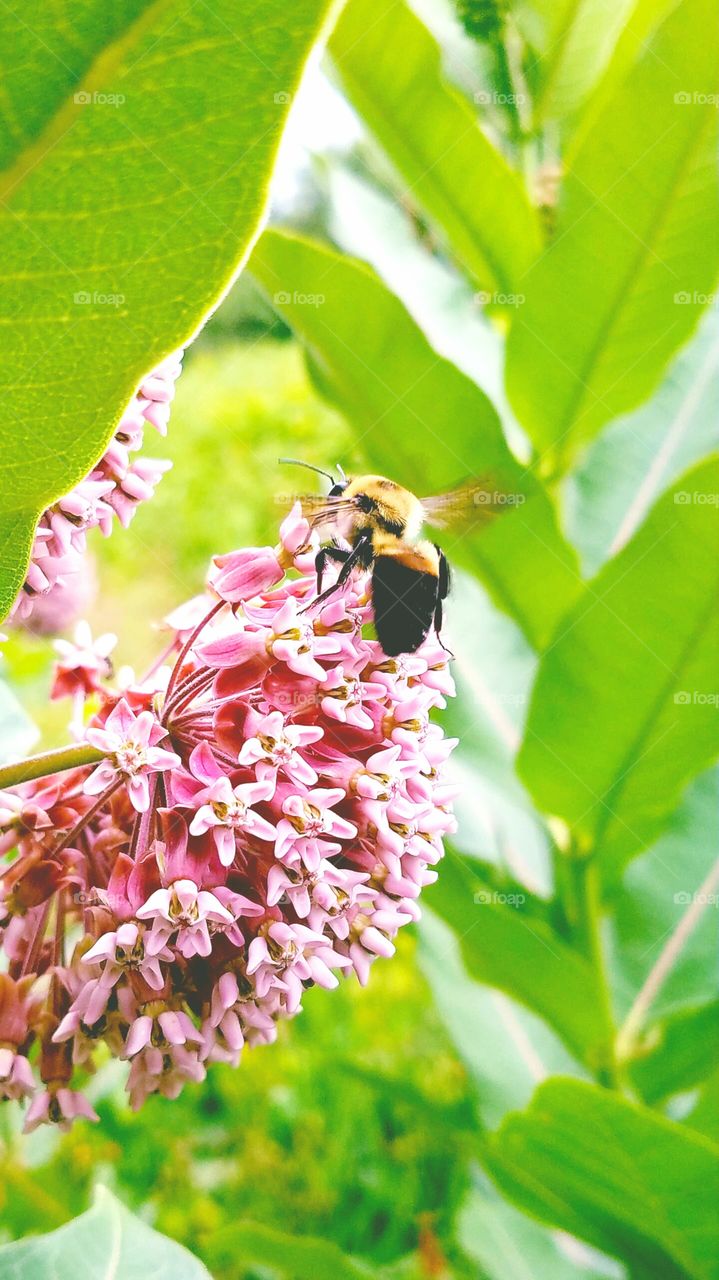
x=47, y=762
x=581, y=892
x=193, y=636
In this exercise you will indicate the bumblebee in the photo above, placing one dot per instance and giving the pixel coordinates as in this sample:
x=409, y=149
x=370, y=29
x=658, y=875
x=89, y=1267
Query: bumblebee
x=380, y=523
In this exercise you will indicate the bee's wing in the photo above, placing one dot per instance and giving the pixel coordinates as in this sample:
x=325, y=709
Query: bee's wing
x=475, y=501
x=319, y=509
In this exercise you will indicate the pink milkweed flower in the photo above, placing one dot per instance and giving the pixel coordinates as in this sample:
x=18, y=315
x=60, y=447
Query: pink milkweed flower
x=309, y=818
x=112, y=490
x=272, y=799
x=239, y=575
x=160, y=1028
x=58, y=1106
x=275, y=747
x=165, y=1071
x=16, y=1078
x=227, y=812
x=120, y=951
x=285, y=956
x=186, y=911
x=83, y=662
x=130, y=742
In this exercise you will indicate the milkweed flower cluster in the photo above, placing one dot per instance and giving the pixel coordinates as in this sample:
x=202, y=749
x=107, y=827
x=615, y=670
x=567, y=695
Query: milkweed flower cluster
x=111, y=492
x=260, y=817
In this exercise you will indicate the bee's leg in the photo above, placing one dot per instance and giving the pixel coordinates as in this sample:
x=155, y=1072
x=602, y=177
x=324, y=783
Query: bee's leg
x=361, y=553
x=443, y=579
x=337, y=554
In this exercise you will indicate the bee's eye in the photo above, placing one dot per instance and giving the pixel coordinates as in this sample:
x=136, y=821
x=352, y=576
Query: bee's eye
x=337, y=490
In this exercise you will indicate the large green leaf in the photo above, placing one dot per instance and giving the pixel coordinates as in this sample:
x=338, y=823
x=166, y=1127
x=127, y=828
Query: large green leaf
x=575, y=39
x=616, y=1175
x=389, y=66
x=682, y=1051
x=493, y=679
x=506, y=944
x=370, y=225
x=291, y=1257
x=419, y=419
x=624, y=712
x=635, y=257
x=625, y=469
x=138, y=143
x=106, y=1243
x=643, y=19
x=654, y=894
x=506, y=1049
x=509, y=1246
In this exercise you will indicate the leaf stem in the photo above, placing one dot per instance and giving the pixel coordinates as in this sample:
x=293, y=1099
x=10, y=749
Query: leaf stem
x=47, y=762
x=581, y=891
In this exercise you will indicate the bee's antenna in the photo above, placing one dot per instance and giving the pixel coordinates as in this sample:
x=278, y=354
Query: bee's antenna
x=295, y=462
x=341, y=471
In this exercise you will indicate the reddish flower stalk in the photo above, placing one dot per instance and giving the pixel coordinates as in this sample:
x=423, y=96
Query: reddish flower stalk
x=264, y=815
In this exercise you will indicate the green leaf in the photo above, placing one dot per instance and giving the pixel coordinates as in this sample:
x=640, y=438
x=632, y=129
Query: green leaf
x=634, y=258
x=509, y=1246
x=704, y=1115
x=506, y=944
x=494, y=679
x=623, y=712
x=653, y=897
x=105, y=1242
x=576, y=39
x=654, y=894
x=644, y=18
x=369, y=225
x=132, y=189
x=389, y=66
x=294, y=1257
x=505, y=1048
x=419, y=418
x=625, y=469
x=614, y=1174
x=680, y=1052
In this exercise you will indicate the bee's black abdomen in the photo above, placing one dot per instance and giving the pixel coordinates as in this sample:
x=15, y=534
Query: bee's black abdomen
x=404, y=601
